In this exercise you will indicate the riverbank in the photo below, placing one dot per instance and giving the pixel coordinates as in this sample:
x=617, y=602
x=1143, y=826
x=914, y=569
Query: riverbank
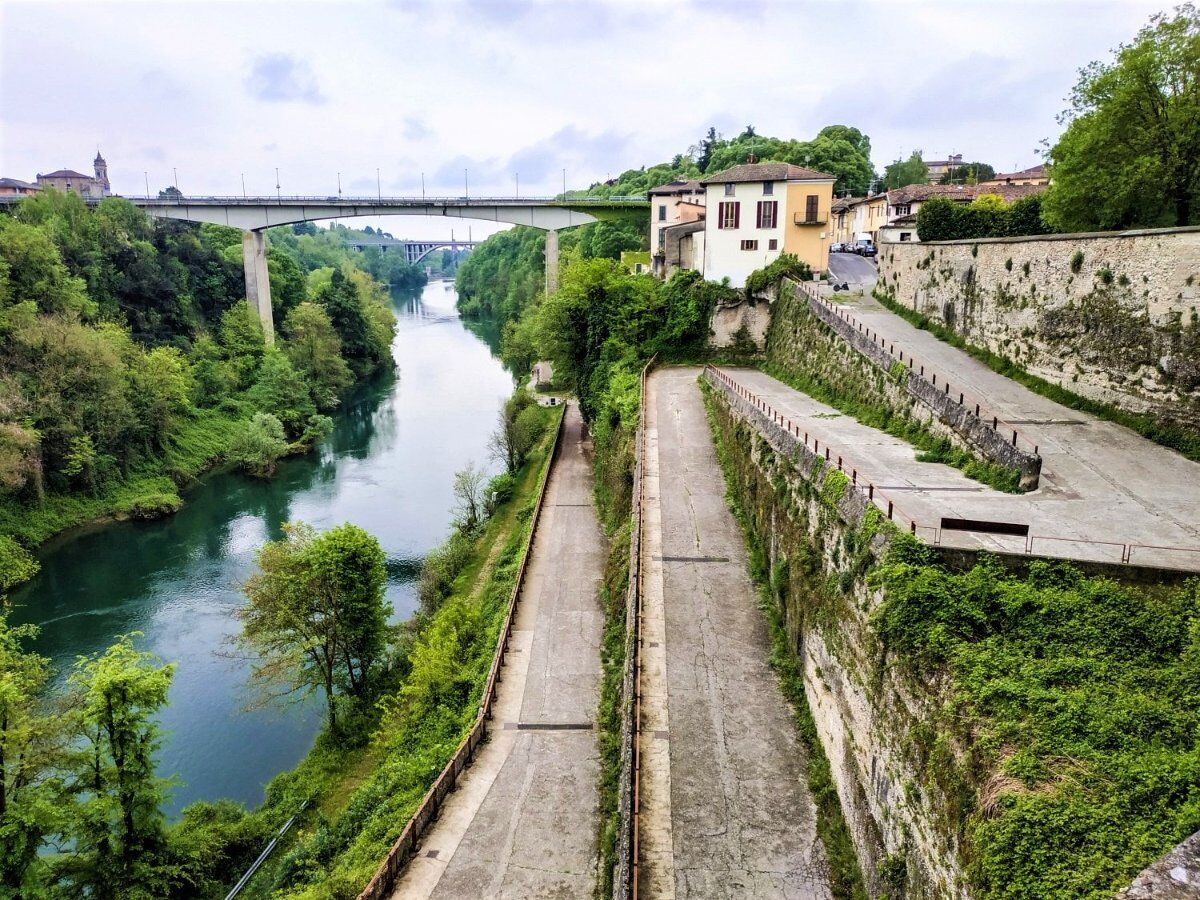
x=361, y=797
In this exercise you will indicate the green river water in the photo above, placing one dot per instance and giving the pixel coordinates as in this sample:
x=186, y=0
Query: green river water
x=387, y=467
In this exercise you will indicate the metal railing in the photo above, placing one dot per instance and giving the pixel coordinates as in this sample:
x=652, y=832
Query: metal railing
x=377, y=200
x=262, y=857
x=965, y=398
x=384, y=880
x=1159, y=556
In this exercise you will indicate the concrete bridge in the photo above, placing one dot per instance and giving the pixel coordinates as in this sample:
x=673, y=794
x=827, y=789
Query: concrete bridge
x=254, y=215
x=414, y=251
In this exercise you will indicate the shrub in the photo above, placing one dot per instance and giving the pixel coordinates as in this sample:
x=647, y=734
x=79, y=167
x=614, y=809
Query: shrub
x=786, y=265
x=258, y=445
x=151, y=506
x=1077, y=262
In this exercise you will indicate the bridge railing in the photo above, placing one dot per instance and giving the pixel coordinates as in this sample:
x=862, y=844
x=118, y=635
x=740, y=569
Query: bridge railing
x=1110, y=550
x=378, y=200
x=426, y=813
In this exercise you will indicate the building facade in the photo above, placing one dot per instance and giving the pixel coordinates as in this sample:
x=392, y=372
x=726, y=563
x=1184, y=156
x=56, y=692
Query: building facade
x=1036, y=175
x=904, y=203
x=672, y=204
x=755, y=212
x=14, y=187
x=72, y=182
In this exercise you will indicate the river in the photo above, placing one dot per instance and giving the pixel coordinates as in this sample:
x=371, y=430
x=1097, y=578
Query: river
x=388, y=467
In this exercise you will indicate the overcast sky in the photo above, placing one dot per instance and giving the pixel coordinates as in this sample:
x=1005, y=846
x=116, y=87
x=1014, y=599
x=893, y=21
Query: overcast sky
x=499, y=87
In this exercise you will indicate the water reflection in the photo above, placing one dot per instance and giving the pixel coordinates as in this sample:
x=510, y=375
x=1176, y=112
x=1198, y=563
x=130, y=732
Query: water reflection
x=387, y=467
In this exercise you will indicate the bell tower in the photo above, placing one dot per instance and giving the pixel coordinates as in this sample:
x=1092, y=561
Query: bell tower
x=101, y=168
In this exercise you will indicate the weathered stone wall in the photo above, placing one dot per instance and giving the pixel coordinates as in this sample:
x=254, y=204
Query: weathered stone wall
x=820, y=540
x=1112, y=317
x=740, y=322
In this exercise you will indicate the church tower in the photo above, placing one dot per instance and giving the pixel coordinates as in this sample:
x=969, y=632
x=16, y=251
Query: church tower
x=101, y=173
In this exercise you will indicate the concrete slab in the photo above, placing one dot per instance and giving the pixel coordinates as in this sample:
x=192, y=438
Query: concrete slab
x=1100, y=482
x=742, y=821
x=524, y=820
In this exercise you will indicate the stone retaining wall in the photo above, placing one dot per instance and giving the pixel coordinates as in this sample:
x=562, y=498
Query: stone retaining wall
x=1114, y=317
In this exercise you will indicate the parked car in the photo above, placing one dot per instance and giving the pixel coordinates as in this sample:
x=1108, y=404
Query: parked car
x=864, y=248
x=837, y=248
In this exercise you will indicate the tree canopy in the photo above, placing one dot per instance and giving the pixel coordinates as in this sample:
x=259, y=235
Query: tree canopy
x=1130, y=154
x=904, y=172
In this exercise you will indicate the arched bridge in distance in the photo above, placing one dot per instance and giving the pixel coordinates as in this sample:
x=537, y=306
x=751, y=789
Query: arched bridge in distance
x=253, y=215
x=414, y=251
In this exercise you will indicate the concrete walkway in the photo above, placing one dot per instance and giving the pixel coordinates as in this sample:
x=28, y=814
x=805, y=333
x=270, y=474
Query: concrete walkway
x=726, y=810
x=1099, y=482
x=523, y=821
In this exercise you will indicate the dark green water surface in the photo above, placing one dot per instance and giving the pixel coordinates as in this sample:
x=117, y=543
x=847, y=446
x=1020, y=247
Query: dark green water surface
x=387, y=467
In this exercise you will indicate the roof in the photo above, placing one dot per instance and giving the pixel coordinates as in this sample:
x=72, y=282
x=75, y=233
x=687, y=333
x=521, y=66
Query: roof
x=843, y=203
x=17, y=183
x=1038, y=171
x=766, y=172
x=64, y=173
x=686, y=227
x=917, y=193
x=678, y=186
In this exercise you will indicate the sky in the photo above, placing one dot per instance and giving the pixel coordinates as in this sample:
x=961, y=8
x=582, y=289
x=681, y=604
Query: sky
x=483, y=95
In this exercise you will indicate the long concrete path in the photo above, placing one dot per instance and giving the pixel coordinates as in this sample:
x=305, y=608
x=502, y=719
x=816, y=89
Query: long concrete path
x=725, y=808
x=1100, y=482
x=523, y=821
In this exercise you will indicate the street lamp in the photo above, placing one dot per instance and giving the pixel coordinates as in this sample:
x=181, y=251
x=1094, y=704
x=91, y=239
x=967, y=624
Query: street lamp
x=339, y=185
x=147, y=174
x=378, y=186
x=278, y=194
x=466, y=186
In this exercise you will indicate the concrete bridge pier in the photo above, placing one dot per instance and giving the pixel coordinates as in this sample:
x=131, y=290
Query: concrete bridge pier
x=258, y=282
x=551, y=261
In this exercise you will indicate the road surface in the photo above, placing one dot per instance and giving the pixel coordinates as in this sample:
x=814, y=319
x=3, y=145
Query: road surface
x=726, y=811
x=523, y=821
x=859, y=271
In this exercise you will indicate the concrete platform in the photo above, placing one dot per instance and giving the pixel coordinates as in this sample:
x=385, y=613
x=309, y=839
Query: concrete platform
x=524, y=820
x=1100, y=481
x=726, y=811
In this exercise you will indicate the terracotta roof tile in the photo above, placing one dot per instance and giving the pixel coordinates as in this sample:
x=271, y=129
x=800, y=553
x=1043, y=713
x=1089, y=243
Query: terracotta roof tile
x=766, y=172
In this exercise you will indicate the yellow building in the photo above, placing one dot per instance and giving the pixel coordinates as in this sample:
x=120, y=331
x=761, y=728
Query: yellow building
x=756, y=211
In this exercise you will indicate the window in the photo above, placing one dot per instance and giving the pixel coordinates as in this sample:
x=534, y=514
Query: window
x=903, y=209
x=729, y=190
x=768, y=188
x=906, y=235
x=749, y=245
x=773, y=244
x=810, y=208
x=729, y=214
x=662, y=212
x=768, y=213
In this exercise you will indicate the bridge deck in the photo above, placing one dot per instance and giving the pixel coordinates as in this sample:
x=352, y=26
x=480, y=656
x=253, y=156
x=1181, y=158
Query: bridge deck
x=523, y=821
x=726, y=811
x=1100, y=481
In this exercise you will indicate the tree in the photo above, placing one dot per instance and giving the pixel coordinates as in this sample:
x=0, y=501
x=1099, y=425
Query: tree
x=281, y=391
x=316, y=351
x=968, y=173
x=242, y=338
x=902, y=173
x=162, y=389
x=33, y=800
x=119, y=830
x=707, y=146
x=36, y=275
x=516, y=433
x=316, y=617
x=258, y=445
x=469, y=497
x=939, y=219
x=340, y=300
x=1130, y=154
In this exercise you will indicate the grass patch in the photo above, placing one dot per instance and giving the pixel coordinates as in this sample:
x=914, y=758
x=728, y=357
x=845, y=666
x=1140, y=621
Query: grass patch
x=1178, y=439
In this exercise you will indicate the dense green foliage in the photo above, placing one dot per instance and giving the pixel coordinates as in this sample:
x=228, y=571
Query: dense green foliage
x=1078, y=700
x=1130, y=154
x=942, y=219
x=968, y=173
x=771, y=276
x=904, y=172
x=316, y=617
x=130, y=362
x=1147, y=426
